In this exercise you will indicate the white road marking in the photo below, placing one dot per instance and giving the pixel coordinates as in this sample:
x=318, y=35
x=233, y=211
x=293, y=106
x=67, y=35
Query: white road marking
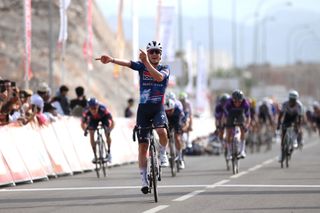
x=218, y=184
x=255, y=168
x=239, y=174
x=156, y=209
x=269, y=186
x=190, y=195
x=269, y=161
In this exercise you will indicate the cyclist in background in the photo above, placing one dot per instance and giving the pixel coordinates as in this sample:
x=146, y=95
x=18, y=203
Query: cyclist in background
x=265, y=113
x=178, y=121
x=315, y=116
x=92, y=115
x=237, y=111
x=154, y=79
x=219, y=116
x=291, y=113
x=187, y=109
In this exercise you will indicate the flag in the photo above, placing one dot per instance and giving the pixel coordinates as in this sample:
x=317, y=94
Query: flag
x=165, y=29
x=135, y=38
x=201, y=87
x=87, y=44
x=63, y=35
x=189, y=57
x=120, y=40
x=28, y=35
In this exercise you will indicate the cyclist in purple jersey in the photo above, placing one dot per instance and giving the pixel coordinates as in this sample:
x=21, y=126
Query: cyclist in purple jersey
x=219, y=115
x=237, y=111
x=154, y=79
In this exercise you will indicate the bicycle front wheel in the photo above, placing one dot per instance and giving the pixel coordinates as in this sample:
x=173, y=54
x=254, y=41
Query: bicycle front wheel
x=103, y=153
x=235, y=162
x=153, y=171
x=97, y=159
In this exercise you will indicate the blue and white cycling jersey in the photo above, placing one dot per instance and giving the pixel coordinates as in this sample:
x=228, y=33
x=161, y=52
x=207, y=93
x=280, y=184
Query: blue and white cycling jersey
x=151, y=91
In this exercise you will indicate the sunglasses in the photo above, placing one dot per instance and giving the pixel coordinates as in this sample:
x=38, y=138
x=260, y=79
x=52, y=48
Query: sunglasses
x=154, y=51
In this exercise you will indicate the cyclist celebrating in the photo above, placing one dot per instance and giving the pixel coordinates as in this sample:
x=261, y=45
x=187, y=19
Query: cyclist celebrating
x=237, y=111
x=92, y=115
x=154, y=79
x=291, y=113
x=177, y=120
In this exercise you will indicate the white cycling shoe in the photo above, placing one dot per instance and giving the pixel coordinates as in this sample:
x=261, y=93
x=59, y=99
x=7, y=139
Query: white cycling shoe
x=181, y=164
x=242, y=154
x=164, y=162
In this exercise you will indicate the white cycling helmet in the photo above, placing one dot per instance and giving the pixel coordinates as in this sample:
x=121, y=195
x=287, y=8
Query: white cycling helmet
x=154, y=45
x=293, y=94
x=169, y=104
x=171, y=95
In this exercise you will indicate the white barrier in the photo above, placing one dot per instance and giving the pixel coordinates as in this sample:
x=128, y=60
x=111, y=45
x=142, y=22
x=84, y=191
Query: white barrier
x=31, y=152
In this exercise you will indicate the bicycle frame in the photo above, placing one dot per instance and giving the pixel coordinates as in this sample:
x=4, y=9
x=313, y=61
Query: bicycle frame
x=101, y=152
x=287, y=146
x=235, y=149
x=153, y=168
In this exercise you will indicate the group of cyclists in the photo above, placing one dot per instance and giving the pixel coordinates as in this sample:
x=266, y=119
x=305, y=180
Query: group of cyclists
x=163, y=109
x=268, y=115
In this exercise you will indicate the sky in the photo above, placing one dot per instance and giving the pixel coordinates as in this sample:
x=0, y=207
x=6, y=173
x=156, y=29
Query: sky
x=288, y=15
x=199, y=8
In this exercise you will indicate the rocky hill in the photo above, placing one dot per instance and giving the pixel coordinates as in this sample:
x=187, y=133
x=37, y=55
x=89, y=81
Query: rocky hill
x=100, y=82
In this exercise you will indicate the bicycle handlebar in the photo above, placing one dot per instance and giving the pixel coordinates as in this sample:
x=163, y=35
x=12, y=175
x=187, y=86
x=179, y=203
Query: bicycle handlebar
x=137, y=128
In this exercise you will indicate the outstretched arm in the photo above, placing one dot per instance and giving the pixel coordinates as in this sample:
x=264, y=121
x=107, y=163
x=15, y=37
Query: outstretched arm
x=105, y=59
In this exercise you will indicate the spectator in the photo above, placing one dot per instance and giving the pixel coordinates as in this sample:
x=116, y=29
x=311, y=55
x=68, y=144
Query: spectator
x=9, y=102
x=37, y=103
x=128, y=111
x=50, y=112
x=63, y=100
x=78, y=104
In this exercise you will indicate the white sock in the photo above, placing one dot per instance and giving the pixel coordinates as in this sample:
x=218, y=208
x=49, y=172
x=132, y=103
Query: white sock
x=143, y=173
x=180, y=155
x=162, y=149
x=243, y=146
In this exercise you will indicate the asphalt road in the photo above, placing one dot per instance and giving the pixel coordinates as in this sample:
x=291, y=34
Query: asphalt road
x=204, y=186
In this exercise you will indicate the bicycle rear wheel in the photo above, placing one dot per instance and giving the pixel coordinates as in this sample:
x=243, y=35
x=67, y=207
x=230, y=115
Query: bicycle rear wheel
x=153, y=170
x=172, y=158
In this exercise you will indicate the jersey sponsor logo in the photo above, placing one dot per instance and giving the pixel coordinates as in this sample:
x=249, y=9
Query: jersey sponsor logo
x=147, y=76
